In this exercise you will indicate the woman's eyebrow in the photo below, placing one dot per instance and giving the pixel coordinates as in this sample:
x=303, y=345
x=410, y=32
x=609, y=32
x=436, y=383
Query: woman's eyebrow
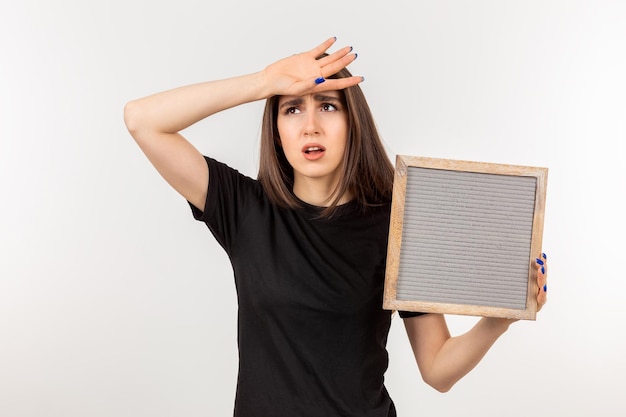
x=325, y=97
x=296, y=101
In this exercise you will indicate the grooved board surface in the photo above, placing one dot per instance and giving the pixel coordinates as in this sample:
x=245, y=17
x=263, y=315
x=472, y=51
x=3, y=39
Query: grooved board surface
x=466, y=238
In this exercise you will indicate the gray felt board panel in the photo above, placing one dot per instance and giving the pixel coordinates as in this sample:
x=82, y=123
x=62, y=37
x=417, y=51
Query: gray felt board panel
x=465, y=237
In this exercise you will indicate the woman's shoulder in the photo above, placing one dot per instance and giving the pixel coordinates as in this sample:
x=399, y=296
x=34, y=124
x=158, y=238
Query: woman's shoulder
x=228, y=184
x=221, y=171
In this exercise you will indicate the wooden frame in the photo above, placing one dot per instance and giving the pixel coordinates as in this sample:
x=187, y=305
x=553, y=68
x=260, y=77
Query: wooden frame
x=463, y=237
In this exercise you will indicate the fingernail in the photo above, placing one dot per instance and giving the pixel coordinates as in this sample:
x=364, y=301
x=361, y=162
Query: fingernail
x=362, y=79
x=543, y=270
x=319, y=80
x=544, y=256
x=351, y=48
x=539, y=261
x=545, y=288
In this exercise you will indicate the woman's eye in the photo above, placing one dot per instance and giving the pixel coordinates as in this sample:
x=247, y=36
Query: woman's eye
x=328, y=107
x=292, y=110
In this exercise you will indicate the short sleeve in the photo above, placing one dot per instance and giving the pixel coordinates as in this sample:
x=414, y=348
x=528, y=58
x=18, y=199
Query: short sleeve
x=408, y=314
x=229, y=193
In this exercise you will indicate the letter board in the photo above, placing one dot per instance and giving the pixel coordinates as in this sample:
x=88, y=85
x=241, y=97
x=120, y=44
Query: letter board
x=463, y=236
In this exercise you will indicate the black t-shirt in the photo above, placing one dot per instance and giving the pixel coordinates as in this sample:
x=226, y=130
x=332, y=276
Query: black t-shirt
x=311, y=329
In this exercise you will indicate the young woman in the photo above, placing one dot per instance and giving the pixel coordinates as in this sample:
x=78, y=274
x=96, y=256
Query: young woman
x=307, y=239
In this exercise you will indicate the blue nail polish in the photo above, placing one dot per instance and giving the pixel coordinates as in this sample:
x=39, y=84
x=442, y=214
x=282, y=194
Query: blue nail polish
x=539, y=261
x=544, y=256
x=543, y=270
x=545, y=288
x=319, y=80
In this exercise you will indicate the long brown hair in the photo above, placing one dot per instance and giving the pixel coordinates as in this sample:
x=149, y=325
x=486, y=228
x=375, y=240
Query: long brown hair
x=367, y=172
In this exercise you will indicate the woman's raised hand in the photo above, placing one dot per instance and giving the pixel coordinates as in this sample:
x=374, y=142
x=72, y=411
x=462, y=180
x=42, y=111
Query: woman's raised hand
x=303, y=73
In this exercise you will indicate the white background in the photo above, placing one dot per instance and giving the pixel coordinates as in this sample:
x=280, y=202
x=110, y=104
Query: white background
x=115, y=302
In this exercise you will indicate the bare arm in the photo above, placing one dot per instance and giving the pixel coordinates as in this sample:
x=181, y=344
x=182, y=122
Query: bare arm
x=155, y=121
x=443, y=360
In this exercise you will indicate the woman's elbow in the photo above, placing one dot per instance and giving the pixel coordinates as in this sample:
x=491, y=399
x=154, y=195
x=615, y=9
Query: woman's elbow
x=132, y=117
x=135, y=117
x=440, y=385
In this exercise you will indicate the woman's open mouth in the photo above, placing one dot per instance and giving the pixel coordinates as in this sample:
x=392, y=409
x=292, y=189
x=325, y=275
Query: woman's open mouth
x=313, y=152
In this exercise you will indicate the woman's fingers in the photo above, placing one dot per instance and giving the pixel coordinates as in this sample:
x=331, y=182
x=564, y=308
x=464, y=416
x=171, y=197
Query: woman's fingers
x=338, y=83
x=335, y=62
x=542, y=280
x=323, y=47
x=331, y=64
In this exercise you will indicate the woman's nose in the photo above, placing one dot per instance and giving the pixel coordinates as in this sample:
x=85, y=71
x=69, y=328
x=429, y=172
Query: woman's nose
x=311, y=126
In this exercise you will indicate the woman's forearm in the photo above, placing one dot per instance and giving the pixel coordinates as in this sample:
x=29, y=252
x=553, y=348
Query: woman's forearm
x=174, y=110
x=460, y=354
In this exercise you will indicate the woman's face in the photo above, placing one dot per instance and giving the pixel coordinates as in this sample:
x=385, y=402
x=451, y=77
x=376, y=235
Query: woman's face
x=313, y=132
